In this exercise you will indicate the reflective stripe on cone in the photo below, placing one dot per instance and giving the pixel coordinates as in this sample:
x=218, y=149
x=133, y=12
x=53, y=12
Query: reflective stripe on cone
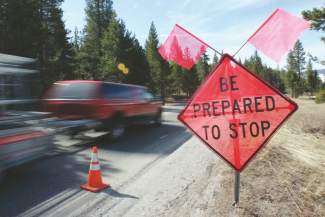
x=94, y=166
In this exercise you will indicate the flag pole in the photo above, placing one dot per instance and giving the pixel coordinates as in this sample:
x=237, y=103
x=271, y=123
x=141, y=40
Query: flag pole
x=215, y=50
x=243, y=45
x=199, y=40
x=259, y=28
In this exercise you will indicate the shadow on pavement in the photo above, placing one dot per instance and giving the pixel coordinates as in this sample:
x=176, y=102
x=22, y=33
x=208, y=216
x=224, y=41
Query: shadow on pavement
x=28, y=185
x=114, y=193
x=148, y=139
x=40, y=181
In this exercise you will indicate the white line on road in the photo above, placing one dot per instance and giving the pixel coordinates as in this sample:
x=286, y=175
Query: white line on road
x=164, y=136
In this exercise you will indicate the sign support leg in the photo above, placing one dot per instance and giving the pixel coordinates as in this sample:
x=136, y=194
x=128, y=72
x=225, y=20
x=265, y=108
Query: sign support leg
x=237, y=188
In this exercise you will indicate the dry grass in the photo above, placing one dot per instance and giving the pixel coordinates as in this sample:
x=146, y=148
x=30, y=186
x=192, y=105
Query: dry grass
x=310, y=117
x=288, y=177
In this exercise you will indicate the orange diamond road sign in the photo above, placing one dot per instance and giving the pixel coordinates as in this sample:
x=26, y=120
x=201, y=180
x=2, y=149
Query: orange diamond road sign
x=235, y=112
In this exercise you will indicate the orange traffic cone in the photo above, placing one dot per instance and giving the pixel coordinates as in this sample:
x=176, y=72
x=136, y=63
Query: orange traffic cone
x=95, y=182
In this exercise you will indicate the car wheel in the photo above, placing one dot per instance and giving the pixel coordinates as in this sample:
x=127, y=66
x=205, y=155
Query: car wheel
x=118, y=128
x=73, y=133
x=158, y=118
x=2, y=174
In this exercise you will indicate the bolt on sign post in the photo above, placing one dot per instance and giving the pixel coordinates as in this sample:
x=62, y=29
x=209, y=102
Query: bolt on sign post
x=235, y=113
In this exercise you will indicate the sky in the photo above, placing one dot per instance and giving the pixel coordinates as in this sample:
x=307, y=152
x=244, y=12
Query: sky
x=224, y=25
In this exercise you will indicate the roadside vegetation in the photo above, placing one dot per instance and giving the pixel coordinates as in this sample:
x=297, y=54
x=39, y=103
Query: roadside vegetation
x=320, y=97
x=105, y=42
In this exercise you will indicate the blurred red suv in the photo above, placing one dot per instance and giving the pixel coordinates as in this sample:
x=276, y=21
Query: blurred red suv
x=115, y=105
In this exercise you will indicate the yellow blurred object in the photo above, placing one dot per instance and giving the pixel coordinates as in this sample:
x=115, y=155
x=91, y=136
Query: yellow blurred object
x=126, y=71
x=121, y=66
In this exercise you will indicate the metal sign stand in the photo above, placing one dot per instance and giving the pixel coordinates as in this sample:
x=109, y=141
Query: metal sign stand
x=236, y=189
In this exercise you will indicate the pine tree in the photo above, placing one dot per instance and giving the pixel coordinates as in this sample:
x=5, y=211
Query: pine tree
x=20, y=35
x=76, y=57
x=292, y=80
x=310, y=78
x=313, y=80
x=296, y=64
x=215, y=60
x=317, y=16
x=202, y=67
x=137, y=63
x=99, y=13
x=39, y=32
x=112, y=51
x=272, y=76
x=292, y=75
x=119, y=46
x=58, y=49
x=214, y=63
x=156, y=63
x=254, y=63
x=300, y=59
x=190, y=81
x=175, y=79
x=76, y=39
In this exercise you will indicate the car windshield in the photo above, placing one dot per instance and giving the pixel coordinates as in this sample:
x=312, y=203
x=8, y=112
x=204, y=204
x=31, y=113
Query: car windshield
x=73, y=91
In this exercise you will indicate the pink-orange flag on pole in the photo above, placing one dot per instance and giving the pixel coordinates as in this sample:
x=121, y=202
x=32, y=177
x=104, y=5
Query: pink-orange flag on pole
x=278, y=34
x=182, y=47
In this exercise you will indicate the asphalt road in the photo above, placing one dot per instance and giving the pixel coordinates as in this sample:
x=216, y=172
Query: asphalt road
x=50, y=186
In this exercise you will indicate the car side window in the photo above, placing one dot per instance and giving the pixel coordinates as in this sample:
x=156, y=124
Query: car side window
x=148, y=95
x=144, y=94
x=115, y=91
